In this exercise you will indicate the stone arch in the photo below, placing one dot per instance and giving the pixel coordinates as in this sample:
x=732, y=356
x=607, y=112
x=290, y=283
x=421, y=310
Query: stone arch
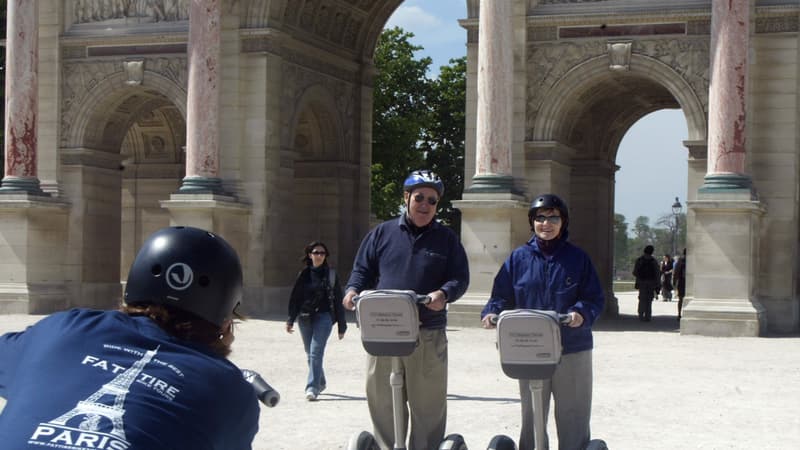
x=321, y=187
x=108, y=94
x=552, y=117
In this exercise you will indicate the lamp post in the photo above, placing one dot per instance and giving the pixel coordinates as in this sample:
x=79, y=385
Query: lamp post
x=676, y=212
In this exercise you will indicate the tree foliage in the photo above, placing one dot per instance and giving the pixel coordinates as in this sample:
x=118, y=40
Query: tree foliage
x=400, y=113
x=418, y=123
x=628, y=246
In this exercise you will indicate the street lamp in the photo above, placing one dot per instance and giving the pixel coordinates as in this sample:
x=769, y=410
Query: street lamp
x=676, y=212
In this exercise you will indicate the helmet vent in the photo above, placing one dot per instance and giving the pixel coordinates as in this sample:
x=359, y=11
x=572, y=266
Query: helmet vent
x=156, y=270
x=204, y=280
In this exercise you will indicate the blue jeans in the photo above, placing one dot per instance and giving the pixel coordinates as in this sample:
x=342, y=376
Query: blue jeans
x=315, y=333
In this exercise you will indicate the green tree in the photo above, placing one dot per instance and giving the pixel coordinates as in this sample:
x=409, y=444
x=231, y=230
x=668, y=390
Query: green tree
x=400, y=113
x=622, y=260
x=443, y=142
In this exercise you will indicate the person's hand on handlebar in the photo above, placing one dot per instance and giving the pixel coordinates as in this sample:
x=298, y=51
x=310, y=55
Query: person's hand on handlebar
x=575, y=319
x=348, y=302
x=438, y=300
x=489, y=321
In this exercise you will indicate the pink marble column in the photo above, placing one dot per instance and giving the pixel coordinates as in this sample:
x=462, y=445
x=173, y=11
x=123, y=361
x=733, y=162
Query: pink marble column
x=730, y=36
x=203, y=97
x=22, y=66
x=495, y=97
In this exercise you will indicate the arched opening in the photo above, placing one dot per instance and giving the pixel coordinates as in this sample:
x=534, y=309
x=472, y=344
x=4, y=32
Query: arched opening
x=153, y=162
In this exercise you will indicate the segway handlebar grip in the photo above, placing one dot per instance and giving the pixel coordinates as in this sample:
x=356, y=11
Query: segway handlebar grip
x=563, y=319
x=265, y=393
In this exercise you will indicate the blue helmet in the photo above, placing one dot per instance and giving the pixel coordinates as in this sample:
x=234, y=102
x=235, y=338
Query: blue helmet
x=424, y=178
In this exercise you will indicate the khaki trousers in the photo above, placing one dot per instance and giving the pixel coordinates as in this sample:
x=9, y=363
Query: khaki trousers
x=424, y=393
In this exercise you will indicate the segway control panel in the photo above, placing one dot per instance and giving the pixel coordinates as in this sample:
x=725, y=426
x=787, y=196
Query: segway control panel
x=389, y=322
x=529, y=343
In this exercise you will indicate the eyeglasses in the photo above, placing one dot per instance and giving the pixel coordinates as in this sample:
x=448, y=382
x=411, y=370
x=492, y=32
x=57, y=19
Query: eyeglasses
x=419, y=198
x=317, y=252
x=552, y=220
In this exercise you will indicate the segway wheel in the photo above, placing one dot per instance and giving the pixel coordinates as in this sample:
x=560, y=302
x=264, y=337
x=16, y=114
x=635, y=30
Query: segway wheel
x=502, y=442
x=596, y=444
x=363, y=441
x=453, y=442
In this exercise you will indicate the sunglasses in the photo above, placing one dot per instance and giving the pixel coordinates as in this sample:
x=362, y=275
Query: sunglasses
x=419, y=198
x=553, y=220
x=317, y=252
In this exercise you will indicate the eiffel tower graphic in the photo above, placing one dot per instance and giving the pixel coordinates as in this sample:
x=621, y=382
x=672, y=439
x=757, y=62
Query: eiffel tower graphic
x=117, y=388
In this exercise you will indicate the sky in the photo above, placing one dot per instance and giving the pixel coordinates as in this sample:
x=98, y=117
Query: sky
x=651, y=156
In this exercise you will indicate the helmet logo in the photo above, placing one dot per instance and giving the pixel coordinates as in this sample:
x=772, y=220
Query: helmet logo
x=179, y=276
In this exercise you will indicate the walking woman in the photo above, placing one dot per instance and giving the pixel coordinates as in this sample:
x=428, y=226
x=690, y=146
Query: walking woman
x=316, y=303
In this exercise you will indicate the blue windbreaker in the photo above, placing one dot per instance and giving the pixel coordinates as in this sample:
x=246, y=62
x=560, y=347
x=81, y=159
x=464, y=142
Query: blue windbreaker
x=391, y=257
x=565, y=281
x=85, y=379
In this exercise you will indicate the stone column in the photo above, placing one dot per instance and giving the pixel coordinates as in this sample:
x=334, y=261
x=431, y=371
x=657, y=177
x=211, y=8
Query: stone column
x=203, y=98
x=22, y=101
x=725, y=219
x=493, y=212
x=730, y=43
x=495, y=98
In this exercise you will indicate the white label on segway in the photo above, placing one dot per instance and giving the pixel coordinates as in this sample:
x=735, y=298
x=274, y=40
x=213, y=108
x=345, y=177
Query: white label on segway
x=388, y=318
x=529, y=340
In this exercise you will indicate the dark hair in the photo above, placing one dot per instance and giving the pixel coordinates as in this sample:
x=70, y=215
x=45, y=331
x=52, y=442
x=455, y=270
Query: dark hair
x=186, y=326
x=307, y=260
x=649, y=250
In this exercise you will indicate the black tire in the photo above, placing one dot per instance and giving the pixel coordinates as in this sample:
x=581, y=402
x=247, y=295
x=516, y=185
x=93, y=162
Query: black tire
x=453, y=442
x=363, y=441
x=502, y=442
x=596, y=444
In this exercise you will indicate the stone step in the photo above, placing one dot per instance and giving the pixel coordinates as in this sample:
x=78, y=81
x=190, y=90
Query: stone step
x=465, y=313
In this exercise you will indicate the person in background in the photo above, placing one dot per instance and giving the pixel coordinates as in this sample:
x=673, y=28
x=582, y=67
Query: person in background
x=646, y=270
x=413, y=252
x=679, y=279
x=550, y=273
x=153, y=375
x=666, y=278
x=316, y=303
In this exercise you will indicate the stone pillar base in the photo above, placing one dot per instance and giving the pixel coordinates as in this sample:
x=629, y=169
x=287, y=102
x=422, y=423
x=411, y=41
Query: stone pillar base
x=722, y=265
x=33, y=236
x=724, y=318
x=492, y=225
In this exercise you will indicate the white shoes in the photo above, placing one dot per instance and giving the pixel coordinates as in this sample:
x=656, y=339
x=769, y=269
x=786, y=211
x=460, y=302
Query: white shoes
x=311, y=396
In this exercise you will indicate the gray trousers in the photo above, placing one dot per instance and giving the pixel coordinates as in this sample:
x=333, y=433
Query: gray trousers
x=571, y=389
x=424, y=392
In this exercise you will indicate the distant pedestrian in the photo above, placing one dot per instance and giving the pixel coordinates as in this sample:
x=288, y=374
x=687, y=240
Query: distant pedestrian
x=316, y=303
x=666, y=278
x=679, y=279
x=646, y=271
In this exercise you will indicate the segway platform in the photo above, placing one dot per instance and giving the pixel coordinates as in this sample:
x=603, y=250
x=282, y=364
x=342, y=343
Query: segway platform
x=389, y=322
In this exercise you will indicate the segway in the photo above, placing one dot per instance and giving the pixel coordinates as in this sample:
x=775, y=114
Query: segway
x=529, y=343
x=266, y=393
x=389, y=324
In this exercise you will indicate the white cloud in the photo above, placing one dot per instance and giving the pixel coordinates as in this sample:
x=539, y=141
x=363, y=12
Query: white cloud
x=414, y=19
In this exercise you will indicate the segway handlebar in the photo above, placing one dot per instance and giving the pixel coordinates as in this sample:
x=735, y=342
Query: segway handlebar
x=563, y=319
x=265, y=393
x=422, y=299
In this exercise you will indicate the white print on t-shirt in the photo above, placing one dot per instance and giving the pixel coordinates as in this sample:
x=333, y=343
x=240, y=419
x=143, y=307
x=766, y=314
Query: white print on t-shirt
x=85, y=425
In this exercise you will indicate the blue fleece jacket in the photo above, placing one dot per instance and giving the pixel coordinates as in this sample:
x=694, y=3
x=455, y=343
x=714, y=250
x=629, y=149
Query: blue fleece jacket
x=392, y=257
x=564, y=281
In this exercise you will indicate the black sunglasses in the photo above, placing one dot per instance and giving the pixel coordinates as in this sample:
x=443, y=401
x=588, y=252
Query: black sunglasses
x=419, y=198
x=553, y=220
x=317, y=252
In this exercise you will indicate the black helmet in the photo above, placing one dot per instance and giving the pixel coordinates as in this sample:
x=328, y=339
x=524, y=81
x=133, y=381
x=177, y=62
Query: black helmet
x=423, y=178
x=189, y=269
x=549, y=201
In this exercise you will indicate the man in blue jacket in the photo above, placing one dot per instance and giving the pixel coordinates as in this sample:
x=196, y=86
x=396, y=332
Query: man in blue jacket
x=549, y=273
x=413, y=252
x=153, y=375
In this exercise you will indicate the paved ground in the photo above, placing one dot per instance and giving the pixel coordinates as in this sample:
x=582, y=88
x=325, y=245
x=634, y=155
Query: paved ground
x=654, y=389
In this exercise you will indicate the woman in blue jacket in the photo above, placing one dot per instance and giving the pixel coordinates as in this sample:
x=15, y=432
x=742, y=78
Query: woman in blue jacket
x=549, y=273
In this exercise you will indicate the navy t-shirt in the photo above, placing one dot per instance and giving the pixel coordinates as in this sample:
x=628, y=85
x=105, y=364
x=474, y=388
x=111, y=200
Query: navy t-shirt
x=85, y=379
